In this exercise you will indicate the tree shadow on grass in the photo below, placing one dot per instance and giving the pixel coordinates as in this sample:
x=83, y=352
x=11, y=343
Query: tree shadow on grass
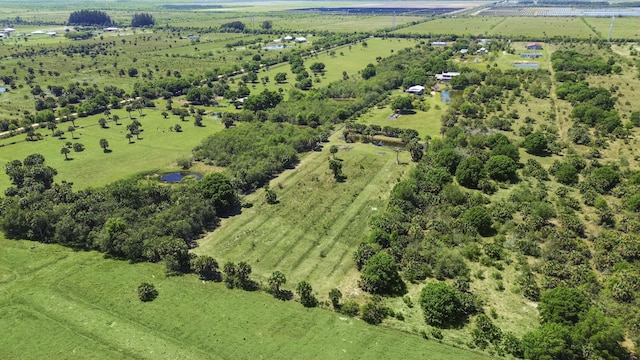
x=107, y=151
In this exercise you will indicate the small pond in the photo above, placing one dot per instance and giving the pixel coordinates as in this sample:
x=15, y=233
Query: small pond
x=273, y=47
x=447, y=95
x=527, y=65
x=3, y=89
x=177, y=177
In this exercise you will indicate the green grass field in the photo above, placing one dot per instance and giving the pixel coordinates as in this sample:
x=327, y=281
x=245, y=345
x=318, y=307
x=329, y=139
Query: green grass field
x=56, y=303
x=157, y=149
x=545, y=26
x=313, y=230
x=462, y=26
x=425, y=122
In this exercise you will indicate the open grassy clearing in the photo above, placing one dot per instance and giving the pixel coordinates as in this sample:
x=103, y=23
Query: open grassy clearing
x=543, y=27
x=313, y=230
x=425, y=122
x=76, y=305
x=158, y=148
x=460, y=26
x=349, y=58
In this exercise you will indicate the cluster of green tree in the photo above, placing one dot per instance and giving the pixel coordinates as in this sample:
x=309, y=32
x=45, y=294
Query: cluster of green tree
x=131, y=219
x=572, y=328
x=142, y=20
x=234, y=26
x=255, y=152
x=571, y=60
x=593, y=106
x=302, y=77
x=366, y=132
x=89, y=18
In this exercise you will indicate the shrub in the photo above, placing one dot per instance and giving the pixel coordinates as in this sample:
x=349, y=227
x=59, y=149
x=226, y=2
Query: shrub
x=147, y=292
x=501, y=167
x=441, y=305
x=380, y=275
x=374, y=311
x=479, y=218
x=350, y=308
x=469, y=172
x=566, y=174
x=535, y=143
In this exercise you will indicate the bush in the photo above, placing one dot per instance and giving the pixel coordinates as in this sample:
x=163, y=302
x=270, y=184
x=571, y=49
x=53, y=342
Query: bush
x=350, y=308
x=380, y=275
x=501, y=167
x=147, y=292
x=535, y=143
x=479, y=218
x=374, y=311
x=469, y=172
x=566, y=174
x=441, y=305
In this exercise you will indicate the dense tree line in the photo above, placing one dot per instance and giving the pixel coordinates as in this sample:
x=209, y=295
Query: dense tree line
x=142, y=20
x=131, y=219
x=89, y=18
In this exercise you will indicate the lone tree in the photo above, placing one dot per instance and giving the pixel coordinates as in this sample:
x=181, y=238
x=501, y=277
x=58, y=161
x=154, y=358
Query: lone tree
x=280, y=77
x=71, y=129
x=65, y=151
x=270, y=196
x=147, y=292
x=206, y=267
x=336, y=168
x=103, y=123
x=335, y=296
x=441, y=305
x=104, y=144
x=380, y=275
x=333, y=149
x=402, y=104
x=276, y=280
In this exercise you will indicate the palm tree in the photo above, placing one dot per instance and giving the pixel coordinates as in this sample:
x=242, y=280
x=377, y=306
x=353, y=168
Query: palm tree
x=103, y=123
x=115, y=119
x=129, y=109
x=129, y=136
x=71, y=129
x=64, y=151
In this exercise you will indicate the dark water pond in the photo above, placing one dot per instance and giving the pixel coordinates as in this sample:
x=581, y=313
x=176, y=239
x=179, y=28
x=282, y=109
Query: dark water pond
x=176, y=177
x=447, y=95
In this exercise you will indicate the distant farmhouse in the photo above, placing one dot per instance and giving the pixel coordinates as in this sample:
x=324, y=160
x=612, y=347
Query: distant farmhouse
x=438, y=43
x=534, y=46
x=446, y=76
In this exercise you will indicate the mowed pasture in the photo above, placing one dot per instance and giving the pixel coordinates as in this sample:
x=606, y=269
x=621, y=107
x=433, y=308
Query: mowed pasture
x=312, y=232
x=157, y=148
x=623, y=27
x=543, y=27
x=57, y=303
x=461, y=26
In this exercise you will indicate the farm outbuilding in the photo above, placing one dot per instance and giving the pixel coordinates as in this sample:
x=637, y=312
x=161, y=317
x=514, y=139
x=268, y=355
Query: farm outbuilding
x=416, y=89
x=534, y=46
